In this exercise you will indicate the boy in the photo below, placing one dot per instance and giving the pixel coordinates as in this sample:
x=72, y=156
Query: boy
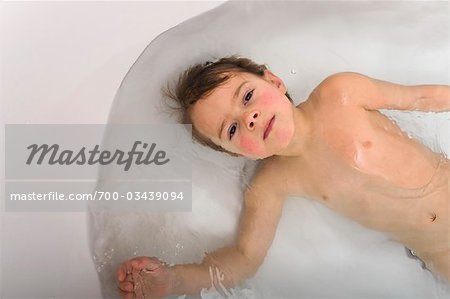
x=335, y=147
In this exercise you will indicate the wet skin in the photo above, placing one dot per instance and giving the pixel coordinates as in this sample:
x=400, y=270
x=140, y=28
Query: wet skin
x=360, y=164
x=335, y=148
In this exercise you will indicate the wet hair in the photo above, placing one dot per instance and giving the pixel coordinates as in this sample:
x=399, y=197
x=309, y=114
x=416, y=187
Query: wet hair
x=199, y=81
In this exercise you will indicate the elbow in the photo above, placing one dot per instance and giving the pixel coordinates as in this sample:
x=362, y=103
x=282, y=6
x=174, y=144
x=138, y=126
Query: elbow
x=252, y=261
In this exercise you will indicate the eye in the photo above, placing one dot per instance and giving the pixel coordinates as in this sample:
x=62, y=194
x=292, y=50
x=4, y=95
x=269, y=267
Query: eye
x=231, y=131
x=248, y=96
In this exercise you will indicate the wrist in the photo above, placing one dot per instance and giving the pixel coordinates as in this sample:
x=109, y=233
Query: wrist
x=177, y=281
x=189, y=279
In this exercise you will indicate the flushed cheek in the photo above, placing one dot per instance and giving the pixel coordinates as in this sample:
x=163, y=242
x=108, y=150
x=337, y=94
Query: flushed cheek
x=249, y=146
x=267, y=98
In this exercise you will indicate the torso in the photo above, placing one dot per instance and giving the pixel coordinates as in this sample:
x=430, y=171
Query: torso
x=363, y=166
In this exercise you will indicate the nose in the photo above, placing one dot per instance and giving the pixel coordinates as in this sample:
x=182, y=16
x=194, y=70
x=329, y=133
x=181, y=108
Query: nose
x=251, y=118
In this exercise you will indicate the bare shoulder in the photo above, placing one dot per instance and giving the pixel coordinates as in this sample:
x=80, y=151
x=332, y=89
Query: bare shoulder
x=342, y=87
x=343, y=80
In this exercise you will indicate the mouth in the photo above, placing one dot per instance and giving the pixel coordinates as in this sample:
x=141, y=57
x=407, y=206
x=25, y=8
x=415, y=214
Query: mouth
x=269, y=127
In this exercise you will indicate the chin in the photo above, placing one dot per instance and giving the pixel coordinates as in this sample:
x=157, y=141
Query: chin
x=285, y=138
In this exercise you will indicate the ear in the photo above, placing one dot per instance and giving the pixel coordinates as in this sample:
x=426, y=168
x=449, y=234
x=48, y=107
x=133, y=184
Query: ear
x=272, y=78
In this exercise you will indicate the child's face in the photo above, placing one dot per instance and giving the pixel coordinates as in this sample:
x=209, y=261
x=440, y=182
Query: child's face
x=248, y=115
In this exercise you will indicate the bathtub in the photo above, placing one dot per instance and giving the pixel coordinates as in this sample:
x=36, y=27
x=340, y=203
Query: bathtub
x=316, y=253
x=303, y=42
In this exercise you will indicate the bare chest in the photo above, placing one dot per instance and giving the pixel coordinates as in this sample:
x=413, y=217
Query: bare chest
x=360, y=144
x=363, y=166
x=358, y=152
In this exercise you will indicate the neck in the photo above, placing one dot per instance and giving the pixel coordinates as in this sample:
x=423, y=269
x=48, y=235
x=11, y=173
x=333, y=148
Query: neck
x=302, y=133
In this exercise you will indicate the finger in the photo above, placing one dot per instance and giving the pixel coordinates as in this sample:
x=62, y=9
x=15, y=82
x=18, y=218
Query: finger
x=125, y=295
x=126, y=286
x=138, y=262
x=128, y=266
x=144, y=262
x=129, y=278
x=138, y=284
x=121, y=272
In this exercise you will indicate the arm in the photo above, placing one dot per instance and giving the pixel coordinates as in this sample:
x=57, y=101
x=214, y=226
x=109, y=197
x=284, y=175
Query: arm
x=374, y=94
x=258, y=225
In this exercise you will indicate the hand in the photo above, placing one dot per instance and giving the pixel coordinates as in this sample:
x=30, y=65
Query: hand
x=145, y=277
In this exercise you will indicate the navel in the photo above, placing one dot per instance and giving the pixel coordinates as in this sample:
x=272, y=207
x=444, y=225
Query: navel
x=433, y=217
